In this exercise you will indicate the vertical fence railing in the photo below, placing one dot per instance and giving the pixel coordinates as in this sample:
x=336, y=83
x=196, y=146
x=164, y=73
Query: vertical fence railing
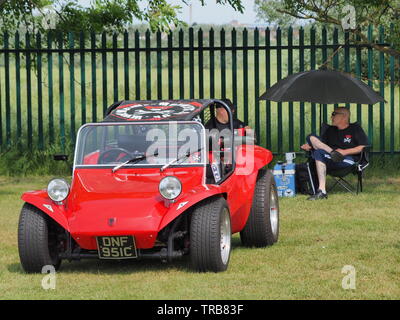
x=29, y=92
x=50, y=84
x=324, y=60
x=289, y=72
x=245, y=78
x=7, y=89
x=256, y=83
x=40, y=94
x=301, y=69
x=313, y=65
x=382, y=93
x=268, y=119
x=126, y=65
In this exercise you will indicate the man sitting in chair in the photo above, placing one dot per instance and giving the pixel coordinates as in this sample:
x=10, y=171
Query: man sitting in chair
x=338, y=147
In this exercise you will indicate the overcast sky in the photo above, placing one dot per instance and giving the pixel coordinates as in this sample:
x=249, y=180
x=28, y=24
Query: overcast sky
x=218, y=14
x=211, y=12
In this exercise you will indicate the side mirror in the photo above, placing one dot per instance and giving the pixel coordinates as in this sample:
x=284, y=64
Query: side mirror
x=60, y=157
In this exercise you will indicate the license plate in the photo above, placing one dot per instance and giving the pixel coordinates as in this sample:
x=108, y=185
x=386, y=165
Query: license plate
x=116, y=247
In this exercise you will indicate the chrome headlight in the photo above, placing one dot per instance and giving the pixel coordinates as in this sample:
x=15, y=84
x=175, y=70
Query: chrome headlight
x=170, y=187
x=58, y=189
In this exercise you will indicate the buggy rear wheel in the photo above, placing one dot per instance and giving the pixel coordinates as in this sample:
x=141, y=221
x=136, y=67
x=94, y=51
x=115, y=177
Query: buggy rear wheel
x=37, y=240
x=262, y=227
x=210, y=236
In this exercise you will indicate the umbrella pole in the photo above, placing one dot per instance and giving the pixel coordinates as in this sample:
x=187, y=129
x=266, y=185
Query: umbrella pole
x=320, y=117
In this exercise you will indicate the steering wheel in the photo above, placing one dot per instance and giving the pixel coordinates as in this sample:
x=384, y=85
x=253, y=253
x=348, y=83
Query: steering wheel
x=113, y=155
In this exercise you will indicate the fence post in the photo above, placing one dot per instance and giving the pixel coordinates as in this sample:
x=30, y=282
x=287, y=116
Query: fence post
x=181, y=67
x=148, y=64
x=137, y=65
x=61, y=89
x=170, y=66
x=279, y=77
x=324, y=58
x=268, y=119
x=301, y=69
x=382, y=91
x=7, y=88
x=234, y=67
x=370, y=83
x=358, y=74
x=290, y=71
x=29, y=90
x=312, y=62
x=50, y=85
x=159, y=66
x=71, y=40
x=201, y=63
x=346, y=56
x=256, y=84
x=18, y=86
x=94, y=83
x=40, y=91
x=126, y=64
x=83, y=78
x=222, y=63
x=392, y=80
x=115, y=67
x=245, y=79
x=336, y=56
x=191, y=64
x=212, y=75
x=104, y=71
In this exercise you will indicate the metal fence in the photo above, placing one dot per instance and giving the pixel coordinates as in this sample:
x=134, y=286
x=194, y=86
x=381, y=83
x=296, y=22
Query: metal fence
x=51, y=84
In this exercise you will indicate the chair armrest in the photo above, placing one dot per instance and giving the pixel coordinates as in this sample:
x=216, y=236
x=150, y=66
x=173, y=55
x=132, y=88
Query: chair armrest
x=365, y=151
x=363, y=162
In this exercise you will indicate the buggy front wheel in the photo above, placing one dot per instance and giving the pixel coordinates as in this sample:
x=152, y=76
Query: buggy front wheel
x=37, y=240
x=210, y=236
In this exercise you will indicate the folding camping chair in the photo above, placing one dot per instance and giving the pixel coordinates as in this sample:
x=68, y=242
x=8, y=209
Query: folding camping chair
x=357, y=168
x=339, y=175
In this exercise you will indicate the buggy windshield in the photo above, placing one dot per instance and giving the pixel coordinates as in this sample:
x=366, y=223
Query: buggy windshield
x=149, y=143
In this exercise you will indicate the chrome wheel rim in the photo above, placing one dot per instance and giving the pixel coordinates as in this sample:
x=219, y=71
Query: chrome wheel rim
x=274, y=212
x=225, y=231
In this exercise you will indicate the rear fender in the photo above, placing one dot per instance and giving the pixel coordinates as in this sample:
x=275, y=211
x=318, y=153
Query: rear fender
x=262, y=157
x=251, y=158
x=188, y=200
x=41, y=200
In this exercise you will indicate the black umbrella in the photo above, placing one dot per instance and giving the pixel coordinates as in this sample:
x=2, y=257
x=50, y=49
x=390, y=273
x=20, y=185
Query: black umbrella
x=322, y=86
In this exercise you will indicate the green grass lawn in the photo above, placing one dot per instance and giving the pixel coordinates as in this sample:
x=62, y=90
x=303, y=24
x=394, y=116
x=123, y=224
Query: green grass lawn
x=317, y=239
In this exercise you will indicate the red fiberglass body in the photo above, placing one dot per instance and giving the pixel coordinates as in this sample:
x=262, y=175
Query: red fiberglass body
x=106, y=203
x=155, y=180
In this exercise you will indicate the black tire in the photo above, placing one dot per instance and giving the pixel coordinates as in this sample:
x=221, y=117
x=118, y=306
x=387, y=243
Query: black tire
x=207, y=252
x=37, y=240
x=259, y=230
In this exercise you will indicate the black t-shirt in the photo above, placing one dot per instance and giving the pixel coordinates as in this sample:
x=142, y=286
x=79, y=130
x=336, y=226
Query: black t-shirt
x=237, y=124
x=352, y=136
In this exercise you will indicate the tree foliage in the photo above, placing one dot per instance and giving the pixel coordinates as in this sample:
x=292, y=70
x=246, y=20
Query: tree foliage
x=385, y=13
x=101, y=15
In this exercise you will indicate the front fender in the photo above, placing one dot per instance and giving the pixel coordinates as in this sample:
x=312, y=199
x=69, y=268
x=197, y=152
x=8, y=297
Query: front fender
x=41, y=200
x=188, y=200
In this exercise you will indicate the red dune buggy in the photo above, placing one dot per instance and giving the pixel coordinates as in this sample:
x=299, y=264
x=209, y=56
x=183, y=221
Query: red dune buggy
x=150, y=181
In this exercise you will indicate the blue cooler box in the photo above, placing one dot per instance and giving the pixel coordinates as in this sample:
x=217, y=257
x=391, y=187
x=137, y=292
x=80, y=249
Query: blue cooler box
x=284, y=175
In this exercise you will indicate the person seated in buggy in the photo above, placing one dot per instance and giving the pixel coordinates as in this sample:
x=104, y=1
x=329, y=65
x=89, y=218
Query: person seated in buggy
x=221, y=119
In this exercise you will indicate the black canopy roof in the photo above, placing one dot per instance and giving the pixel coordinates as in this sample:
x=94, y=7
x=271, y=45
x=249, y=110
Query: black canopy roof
x=156, y=110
